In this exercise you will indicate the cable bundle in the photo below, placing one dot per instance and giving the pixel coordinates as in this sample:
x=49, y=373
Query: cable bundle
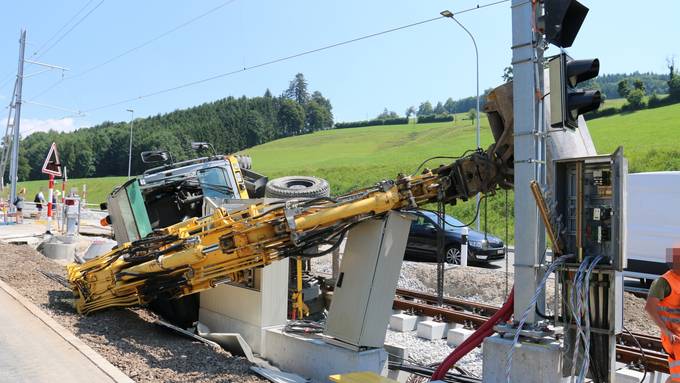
x=579, y=304
x=553, y=266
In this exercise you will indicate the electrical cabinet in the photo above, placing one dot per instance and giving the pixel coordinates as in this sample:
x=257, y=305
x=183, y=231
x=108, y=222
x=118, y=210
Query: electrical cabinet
x=363, y=295
x=590, y=200
x=591, y=195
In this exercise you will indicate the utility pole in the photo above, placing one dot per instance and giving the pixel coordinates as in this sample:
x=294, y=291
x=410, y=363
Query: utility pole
x=14, y=164
x=527, y=67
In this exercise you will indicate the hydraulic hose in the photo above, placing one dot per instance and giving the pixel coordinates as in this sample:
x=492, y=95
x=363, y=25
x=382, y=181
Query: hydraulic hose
x=476, y=338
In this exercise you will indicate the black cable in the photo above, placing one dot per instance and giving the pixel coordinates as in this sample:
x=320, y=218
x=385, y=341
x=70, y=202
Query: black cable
x=71, y=29
x=448, y=223
x=263, y=64
x=642, y=352
x=55, y=34
x=133, y=49
x=427, y=372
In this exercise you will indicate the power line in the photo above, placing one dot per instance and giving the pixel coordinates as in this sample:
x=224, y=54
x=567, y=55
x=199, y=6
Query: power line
x=135, y=48
x=285, y=58
x=266, y=63
x=71, y=29
x=55, y=34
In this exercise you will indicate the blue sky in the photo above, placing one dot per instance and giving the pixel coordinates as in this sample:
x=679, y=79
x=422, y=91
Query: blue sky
x=428, y=62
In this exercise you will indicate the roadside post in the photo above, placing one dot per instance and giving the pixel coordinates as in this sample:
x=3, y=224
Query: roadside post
x=51, y=167
x=464, y=247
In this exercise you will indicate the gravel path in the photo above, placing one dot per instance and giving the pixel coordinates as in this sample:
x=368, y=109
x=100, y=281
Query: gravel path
x=128, y=338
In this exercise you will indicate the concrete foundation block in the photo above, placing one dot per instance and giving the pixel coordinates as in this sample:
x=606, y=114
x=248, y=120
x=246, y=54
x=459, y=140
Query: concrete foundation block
x=456, y=336
x=423, y=318
x=403, y=322
x=525, y=359
x=316, y=359
x=60, y=251
x=397, y=354
x=626, y=375
x=431, y=330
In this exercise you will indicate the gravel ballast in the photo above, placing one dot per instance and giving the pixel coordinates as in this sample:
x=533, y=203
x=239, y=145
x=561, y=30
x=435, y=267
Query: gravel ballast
x=128, y=338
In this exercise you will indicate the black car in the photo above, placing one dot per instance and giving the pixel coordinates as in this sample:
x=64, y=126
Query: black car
x=422, y=241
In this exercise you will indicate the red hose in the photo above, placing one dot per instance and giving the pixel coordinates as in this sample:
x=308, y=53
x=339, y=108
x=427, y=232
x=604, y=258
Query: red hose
x=476, y=338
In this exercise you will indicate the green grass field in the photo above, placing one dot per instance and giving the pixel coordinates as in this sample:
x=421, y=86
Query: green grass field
x=359, y=157
x=97, y=188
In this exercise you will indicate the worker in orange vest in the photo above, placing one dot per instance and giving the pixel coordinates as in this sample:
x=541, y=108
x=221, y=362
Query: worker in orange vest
x=663, y=306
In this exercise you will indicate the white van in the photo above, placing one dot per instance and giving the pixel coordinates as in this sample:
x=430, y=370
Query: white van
x=653, y=222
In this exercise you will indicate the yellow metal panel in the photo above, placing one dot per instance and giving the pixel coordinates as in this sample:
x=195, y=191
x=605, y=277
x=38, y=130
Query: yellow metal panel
x=360, y=377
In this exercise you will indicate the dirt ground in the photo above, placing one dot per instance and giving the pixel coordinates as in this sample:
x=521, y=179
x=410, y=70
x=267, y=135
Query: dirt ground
x=128, y=338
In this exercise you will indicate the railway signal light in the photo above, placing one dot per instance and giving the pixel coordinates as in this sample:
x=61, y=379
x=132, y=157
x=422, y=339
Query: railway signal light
x=562, y=20
x=567, y=101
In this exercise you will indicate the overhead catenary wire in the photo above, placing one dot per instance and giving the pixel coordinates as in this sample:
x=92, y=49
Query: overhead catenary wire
x=135, y=48
x=58, y=40
x=285, y=58
x=55, y=34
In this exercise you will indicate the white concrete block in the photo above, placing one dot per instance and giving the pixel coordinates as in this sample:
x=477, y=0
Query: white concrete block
x=456, y=336
x=403, y=322
x=525, y=359
x=316, y=359
x=60, y=251
x=423, y=318
x=431, y=330
x=626, y=375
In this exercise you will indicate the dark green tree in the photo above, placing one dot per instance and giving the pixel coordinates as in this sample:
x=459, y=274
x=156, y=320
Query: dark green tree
x=410, y=111
x=439, y=109
x=450, y=106
x=317, y=117
x=472, y=114
x=636, y=99
x=507, y=74
x=291, y=117
x=387, y=114
x=425, y=109
x=297, y=90
x=638, y=84
x=623, y=88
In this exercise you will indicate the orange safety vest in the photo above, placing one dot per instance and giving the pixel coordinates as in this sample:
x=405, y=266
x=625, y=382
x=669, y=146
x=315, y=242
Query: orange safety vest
x=669, y=311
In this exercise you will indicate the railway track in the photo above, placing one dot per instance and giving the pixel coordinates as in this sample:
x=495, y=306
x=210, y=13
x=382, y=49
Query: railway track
x=473, y=314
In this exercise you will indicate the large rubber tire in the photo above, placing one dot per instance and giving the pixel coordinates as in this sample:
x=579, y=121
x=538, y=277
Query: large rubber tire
x=297, y=187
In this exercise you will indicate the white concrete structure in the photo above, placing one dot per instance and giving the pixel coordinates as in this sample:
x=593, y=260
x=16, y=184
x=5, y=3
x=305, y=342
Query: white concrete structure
x=626, y=375
x=316, y=359
x=526, y=358
x=403, y=322
x=432, y=330
x=249, y=312
x=456, y=336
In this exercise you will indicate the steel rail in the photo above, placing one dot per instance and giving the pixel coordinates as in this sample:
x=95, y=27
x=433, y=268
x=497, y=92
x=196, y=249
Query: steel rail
x=474, y=314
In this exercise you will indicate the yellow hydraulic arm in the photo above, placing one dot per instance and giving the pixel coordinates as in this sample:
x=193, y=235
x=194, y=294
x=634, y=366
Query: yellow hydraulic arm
x=201, y=253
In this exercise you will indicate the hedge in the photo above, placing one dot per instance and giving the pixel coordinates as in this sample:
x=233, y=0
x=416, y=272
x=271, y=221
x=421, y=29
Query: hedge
x=359, y=124
x=435, y=118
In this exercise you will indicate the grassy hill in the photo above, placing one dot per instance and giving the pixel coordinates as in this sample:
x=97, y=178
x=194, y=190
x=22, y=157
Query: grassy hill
x=358, y=157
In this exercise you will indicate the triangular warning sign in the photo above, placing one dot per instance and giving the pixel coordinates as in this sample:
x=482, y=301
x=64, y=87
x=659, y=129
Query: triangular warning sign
x=52, y=165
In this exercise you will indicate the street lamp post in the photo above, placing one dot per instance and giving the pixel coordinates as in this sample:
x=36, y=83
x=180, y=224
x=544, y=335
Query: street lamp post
x=449, y=14
x=132, y=122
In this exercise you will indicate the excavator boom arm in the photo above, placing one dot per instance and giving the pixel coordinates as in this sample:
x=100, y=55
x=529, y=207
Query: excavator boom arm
x=201, y=253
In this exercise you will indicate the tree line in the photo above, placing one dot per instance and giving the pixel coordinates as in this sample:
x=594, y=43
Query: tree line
x=229, y=124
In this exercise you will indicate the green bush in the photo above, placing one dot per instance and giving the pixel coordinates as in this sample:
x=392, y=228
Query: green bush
x=435, y=118
x=376, y=122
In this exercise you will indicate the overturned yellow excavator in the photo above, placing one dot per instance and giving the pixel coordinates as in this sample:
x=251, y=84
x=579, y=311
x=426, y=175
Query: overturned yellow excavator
x=200, y=253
